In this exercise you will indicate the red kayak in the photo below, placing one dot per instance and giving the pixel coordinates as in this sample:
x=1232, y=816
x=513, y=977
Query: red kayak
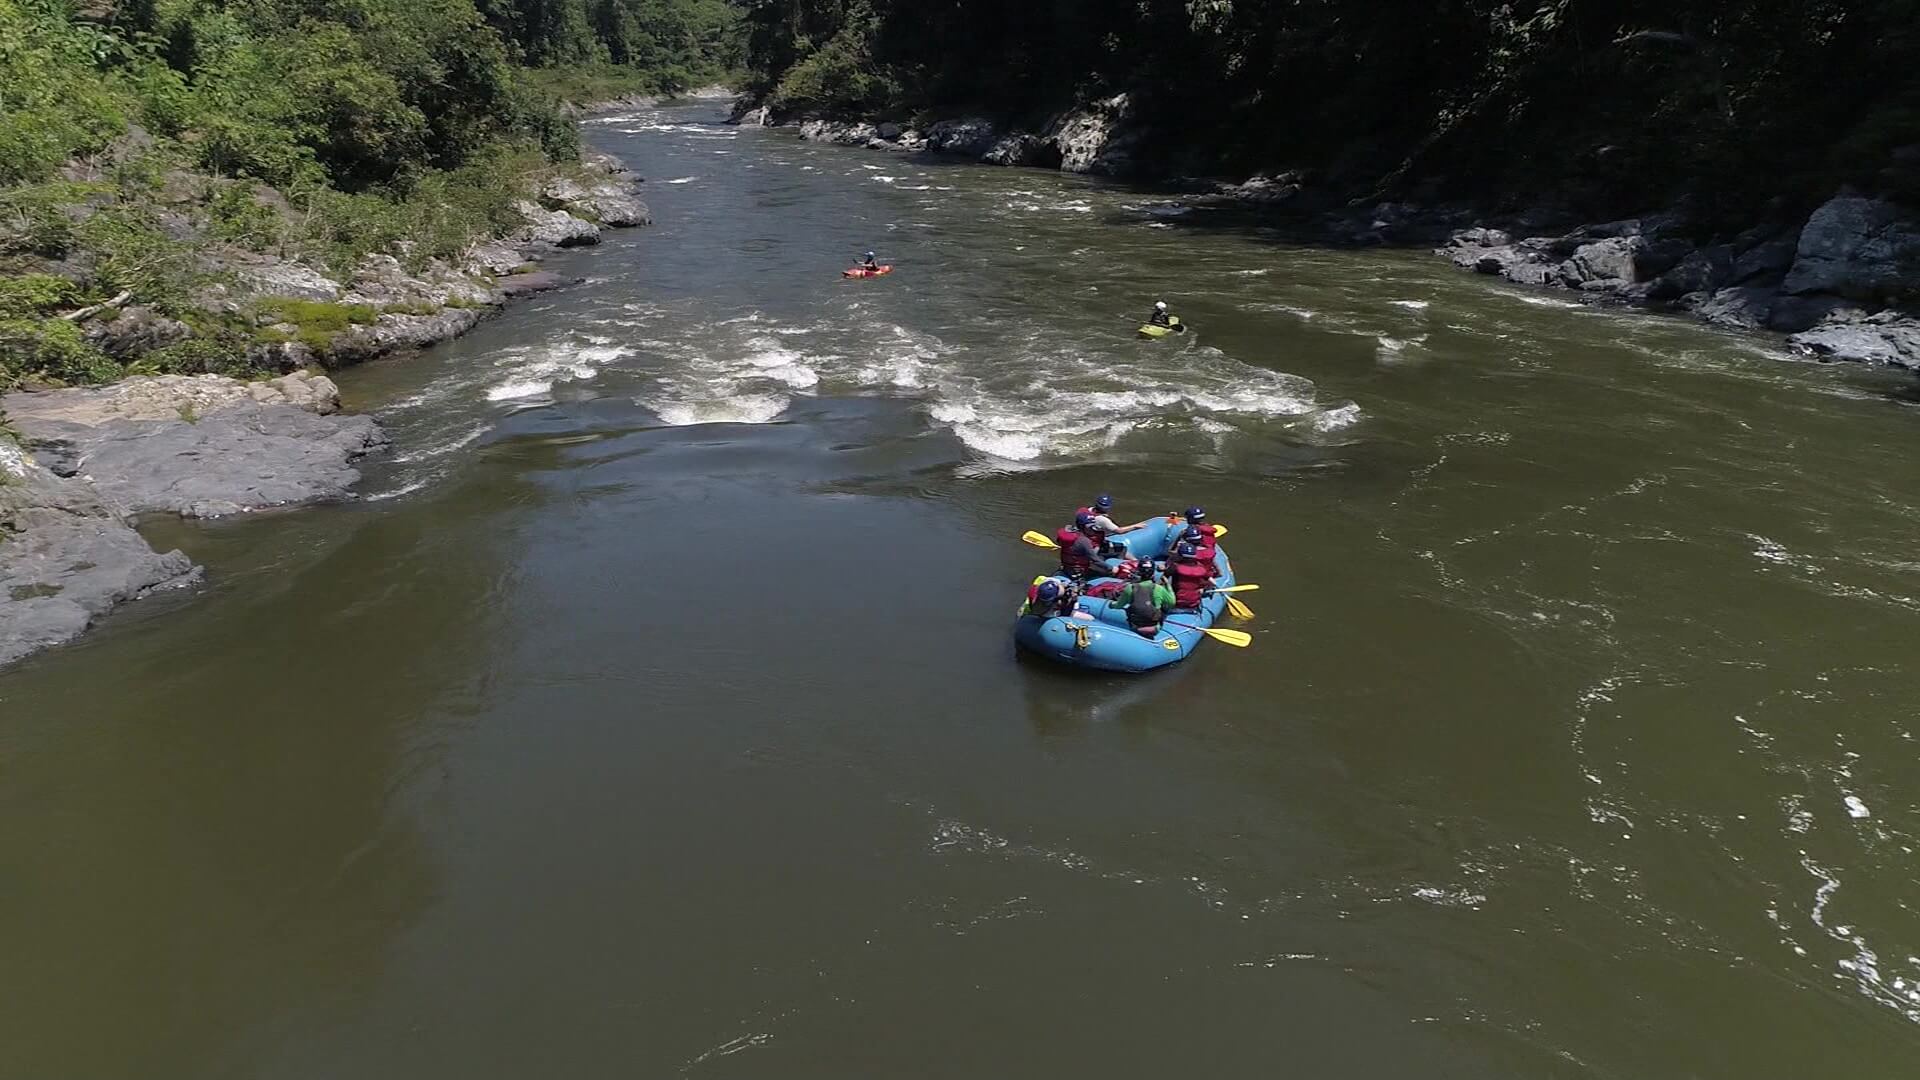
x=861, y=271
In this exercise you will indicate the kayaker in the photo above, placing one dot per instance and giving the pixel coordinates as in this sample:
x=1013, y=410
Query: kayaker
x=867, y=262
x=1188, y=577
x=1160, y=316
x=1080, y=548
x=1145, y=601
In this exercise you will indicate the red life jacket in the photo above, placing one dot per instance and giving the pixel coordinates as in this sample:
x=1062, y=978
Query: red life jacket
x=1072, y=563
x=1205, y=553
x=1190, y=581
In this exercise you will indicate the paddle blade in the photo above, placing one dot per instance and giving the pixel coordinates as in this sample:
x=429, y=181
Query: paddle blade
x=1219, y=531
x=1236, y=638
x=1236, y=588
x=1238, y=610
x=1037, y=540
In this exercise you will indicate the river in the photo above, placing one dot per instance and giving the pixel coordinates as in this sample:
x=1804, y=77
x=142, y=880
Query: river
x=654, y=712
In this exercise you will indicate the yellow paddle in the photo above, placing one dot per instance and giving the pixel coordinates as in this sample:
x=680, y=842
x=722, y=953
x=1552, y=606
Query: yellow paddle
x=1234, y=588
x=1219, y=531
x=1236, y=638
x=1238, y=610
x=1040, y=541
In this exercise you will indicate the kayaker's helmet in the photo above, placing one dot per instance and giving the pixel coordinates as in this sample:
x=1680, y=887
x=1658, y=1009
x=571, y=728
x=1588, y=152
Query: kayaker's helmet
x=1195, y=515
x=1103, y=504
x=1049, y=591
x=1185, y=551
x=1159, y=305
x=1083, y=520
x=1144, y=571
x=1193, y=536
x=869, y=254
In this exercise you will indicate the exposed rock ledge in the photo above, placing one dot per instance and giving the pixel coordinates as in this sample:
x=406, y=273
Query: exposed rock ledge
x=200, y=446
x=1098, y=137
x=1837, y=284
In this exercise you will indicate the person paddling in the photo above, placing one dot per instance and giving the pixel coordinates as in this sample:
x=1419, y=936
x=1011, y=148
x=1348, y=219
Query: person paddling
x=869, y=264
x=1080, y=548
x=1190, y=579
x=1050, y=598
x=1145, y=601
x=1160, y=316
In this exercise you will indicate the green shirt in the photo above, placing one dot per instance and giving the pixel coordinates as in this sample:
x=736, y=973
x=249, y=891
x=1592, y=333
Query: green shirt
x=1162, y=596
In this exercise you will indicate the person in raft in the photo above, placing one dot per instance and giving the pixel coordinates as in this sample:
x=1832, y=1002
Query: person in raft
x=1102, y=516
x=1205, y=549
x=1080, y=548
x=1197, y=519
x=1160, y=316
x=1049, y=598
x=1145, y=600
x=867, y=262
x=1189, y=578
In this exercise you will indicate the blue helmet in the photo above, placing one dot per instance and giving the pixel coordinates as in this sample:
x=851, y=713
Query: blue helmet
x=1193, y=535
x=1083, y=520
x=1185, y=551
x=1195, y=515
x=869, y=254
x=1049, y=591
x=1104, y=503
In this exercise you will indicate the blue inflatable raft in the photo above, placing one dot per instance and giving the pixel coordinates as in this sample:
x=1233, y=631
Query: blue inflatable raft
x=1097, y=635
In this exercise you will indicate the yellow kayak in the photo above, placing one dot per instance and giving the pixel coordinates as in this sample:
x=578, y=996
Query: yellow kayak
x=1174, y=326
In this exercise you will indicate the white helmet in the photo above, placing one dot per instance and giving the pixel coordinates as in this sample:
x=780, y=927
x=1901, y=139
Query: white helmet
x=1160, y=305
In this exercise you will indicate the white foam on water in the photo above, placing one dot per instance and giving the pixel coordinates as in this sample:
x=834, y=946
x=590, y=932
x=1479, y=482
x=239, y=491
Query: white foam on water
x=530, y=372
x=1542, y=301
x=514, y=389
x=884, y=179
x=683, y=180
x=441, y=449
x=1856, y=808
x=1412, y=305
x=1254, y=273
x=404, y=489
x=744, y=409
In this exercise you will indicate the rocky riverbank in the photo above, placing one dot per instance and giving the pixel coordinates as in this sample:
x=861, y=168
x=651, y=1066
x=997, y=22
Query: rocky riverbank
x=1842, y=284
x=80, y=465
x=199, y=446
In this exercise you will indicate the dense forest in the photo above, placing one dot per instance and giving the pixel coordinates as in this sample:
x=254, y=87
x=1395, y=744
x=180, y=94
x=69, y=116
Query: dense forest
x=1623, y=102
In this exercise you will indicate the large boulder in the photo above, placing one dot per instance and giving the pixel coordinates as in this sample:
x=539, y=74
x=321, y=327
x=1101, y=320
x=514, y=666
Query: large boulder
x=1020, y=148
x=1742, y=307
x=839, y=132
x=134, y=330
x=1620, y=260
x=554, y=228
x=265, y=275
x=1701, y=271
x=972, y=136
x=1887, y=338
x=1860, y=248
x=1094, y=139
x=1766, y=261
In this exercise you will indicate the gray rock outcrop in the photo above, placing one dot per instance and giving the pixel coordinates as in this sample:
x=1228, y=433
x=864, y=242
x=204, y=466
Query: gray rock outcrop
x=1859, y=248
x=66, y=558
x=199, y=446
x=553, y=228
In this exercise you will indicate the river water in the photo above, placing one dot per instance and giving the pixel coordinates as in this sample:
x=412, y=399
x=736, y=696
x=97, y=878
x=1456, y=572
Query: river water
x=654, y=712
